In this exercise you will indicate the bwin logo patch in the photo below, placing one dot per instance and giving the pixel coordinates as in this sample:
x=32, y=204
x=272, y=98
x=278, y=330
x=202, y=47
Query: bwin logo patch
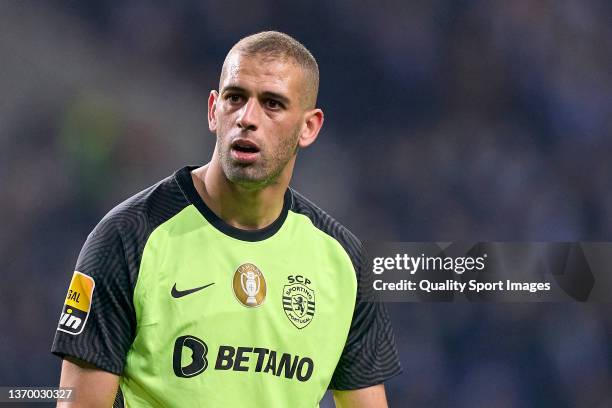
x=77, y=305
x=299, y=301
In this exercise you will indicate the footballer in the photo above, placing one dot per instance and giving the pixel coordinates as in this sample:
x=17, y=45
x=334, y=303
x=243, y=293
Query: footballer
x=222, y=286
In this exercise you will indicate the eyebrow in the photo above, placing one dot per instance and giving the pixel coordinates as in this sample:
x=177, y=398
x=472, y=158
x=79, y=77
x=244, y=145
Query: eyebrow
x=267, y=94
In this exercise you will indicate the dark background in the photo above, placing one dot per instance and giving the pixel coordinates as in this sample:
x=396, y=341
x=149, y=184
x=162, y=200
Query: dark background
x=445, y=120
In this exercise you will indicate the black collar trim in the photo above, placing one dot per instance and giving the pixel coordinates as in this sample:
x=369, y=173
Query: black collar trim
x=185, y=181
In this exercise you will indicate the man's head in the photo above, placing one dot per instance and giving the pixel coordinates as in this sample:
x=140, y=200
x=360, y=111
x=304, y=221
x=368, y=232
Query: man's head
x=264, y=109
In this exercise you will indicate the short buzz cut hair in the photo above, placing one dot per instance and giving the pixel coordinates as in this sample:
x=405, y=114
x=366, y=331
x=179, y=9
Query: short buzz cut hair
x=275, y=44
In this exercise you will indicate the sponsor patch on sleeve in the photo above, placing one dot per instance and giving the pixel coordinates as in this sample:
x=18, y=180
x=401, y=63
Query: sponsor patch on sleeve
x=77, y=304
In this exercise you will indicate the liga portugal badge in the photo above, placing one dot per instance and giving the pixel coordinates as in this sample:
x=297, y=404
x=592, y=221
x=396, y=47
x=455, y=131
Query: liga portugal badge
x=249, y=285
x=77, y=305
x=299, y=304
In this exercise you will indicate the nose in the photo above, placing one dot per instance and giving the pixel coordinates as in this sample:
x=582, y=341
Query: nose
x=248, y=118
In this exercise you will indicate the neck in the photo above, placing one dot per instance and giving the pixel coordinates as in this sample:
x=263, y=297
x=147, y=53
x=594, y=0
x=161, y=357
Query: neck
x=248, y=209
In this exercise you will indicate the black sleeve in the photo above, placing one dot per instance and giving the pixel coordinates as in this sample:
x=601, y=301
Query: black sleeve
x=370, y=356
x=103, y=334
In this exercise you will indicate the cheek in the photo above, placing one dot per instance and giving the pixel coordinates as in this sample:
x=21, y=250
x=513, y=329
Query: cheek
x=223, y=124
x=286, y=143
x=286, y=130
x=283, y=136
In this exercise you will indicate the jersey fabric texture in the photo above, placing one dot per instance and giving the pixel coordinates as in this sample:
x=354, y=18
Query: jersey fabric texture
x=191, y=311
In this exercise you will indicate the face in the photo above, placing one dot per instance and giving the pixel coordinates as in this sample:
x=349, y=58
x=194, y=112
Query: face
x=259, y=120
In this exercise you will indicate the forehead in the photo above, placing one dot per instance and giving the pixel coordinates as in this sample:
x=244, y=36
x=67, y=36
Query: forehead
x=260, y=73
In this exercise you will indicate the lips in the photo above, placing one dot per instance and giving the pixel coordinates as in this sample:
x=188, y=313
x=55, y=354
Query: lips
x=245, y=145
x=244, y=151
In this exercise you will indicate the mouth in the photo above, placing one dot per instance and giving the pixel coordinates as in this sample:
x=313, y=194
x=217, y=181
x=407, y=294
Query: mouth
x=244, y=151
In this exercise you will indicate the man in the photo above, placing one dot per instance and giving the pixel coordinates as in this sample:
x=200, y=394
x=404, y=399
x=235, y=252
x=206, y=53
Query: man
x=220, y=285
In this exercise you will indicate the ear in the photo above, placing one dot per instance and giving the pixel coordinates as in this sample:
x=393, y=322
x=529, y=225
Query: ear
x=313, y=123
x=212, y=110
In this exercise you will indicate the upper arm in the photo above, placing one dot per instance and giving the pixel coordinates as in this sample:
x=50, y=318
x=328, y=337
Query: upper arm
x=370, y=397
x=370, y=356
x=98, y=322
x=92, y=387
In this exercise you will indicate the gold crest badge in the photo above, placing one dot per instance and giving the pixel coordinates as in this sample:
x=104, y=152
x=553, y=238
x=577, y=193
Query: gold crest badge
x=249, y=285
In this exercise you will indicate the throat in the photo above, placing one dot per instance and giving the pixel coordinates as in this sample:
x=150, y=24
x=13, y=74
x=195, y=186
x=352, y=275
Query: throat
x=243, y=209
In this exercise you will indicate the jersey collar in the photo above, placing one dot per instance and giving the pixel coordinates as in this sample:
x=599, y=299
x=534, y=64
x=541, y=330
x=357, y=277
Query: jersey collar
x=183, y=177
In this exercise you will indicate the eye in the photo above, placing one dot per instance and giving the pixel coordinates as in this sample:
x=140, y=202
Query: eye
x=233, y=98
x=273, y=104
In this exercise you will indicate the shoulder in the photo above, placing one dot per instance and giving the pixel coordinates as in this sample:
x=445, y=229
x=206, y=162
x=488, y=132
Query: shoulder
x=115, y=246
x=328, y=225
x=144, y=211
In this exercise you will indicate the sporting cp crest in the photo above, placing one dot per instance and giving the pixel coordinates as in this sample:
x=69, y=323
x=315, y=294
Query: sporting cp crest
x=299, y=301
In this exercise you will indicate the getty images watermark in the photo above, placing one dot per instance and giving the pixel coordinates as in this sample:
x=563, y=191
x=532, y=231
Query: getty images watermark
x=457, y=265
x=488, y=271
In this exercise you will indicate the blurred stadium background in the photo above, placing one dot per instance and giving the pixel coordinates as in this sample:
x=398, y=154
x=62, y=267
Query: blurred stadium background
x=445, y=120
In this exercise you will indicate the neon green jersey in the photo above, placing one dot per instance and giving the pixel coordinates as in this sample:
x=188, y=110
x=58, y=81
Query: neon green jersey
x=190, y=311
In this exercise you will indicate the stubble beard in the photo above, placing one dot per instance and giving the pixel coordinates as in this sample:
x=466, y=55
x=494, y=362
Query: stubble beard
x=265, y=171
